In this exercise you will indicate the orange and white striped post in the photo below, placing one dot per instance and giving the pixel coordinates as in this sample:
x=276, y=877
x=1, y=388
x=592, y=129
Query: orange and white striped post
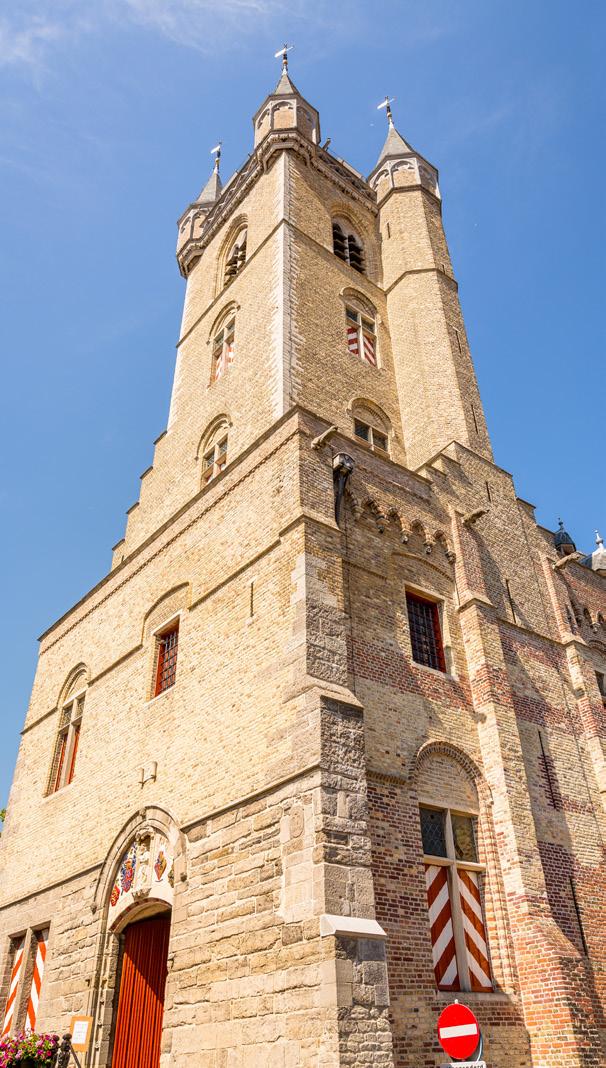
x=34, y=994
x=11, y=1002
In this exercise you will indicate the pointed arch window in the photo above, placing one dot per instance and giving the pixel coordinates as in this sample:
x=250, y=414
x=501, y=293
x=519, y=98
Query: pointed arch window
x=224, y=344
x=348, y=246
x=63, y=768
x=236, y=256
x=214, y=455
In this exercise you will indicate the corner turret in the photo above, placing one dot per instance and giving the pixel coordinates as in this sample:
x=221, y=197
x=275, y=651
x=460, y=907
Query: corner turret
x=191, y=222
x=286, y=109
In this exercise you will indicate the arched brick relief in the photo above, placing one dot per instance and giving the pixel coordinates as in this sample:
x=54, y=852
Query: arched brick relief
x=166, y=606
x=442, y=541
x=77, y=679
x=211, y=429
x=354, y=297
x=229, y=309
x=375, y=509
x=369, y=412
x=282, y=115
x=449, y=775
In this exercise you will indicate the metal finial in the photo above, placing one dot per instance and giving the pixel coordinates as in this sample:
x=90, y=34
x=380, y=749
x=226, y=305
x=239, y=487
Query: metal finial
x=216, y=152
x=387, y=105
x=284, y=53
x=598, y=538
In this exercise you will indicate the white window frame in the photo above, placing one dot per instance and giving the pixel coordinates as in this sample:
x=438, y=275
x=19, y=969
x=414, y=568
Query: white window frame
x=215, y=455
x=366, y=324
x=370, y=441
x=70, y=726
x=221, y=341
x=451, y=862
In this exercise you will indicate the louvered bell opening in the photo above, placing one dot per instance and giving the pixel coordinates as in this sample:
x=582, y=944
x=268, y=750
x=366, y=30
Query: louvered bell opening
x=356, y=256
x=338, y=243
x=231, y=267
x=242, y=254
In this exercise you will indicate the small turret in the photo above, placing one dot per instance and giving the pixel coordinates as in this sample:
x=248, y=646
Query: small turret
x=285, y=109
x=598, y=556
x=191, y=222
x=399, y=165
x=562, y=541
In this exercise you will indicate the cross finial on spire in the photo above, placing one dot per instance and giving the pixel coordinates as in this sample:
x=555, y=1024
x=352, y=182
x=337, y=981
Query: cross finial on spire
x=216, y=152
x=284, y=53
x=387, y=105
x=598, y=538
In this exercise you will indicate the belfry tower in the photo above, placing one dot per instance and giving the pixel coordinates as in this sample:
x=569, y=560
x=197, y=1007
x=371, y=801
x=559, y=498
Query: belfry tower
x=325, y=749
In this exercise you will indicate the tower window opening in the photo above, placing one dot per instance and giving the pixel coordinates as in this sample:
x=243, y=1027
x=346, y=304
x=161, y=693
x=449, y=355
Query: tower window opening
x=376, y=439
x=361, y=336
x=425, y=632
x=215, y=459
x=167, y=644
x=453, y=880
x=223, y=349
x=236, y=257
x=348, y=248
x=601, y=681
x=63, y=768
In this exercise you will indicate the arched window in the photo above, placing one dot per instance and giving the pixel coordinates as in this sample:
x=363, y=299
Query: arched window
x=347, y=245
x=224, y=342
x=371, y=426
x=236, y=256
x=68, y=738
x=214, y=455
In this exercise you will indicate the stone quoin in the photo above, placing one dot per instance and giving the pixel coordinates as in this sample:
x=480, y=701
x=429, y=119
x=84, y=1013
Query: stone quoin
x=286, y=786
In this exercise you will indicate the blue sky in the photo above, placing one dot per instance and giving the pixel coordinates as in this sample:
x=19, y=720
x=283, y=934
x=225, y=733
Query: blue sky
x=108, y=111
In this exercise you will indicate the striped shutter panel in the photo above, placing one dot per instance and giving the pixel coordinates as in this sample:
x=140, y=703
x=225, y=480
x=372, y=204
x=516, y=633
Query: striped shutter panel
x=353, y=341
x=11, y=1001
x=369, y=351
x=440, y=922
x=34, y=994
x=475, y=932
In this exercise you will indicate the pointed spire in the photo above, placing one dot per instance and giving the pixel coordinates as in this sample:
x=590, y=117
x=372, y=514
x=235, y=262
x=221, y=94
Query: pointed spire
x=286, y=108
x=212, y=190
x=598, y=556
x=395, y=145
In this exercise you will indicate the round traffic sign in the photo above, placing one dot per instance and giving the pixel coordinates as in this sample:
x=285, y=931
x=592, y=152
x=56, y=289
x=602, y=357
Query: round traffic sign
x=458, y=1031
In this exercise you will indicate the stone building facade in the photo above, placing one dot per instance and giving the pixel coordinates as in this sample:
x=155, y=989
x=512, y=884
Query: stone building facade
x=345, y=771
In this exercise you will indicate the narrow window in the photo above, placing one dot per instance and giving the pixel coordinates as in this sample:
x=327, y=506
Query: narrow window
x=425, y=633
x=236, y=257
x=16, y=956
x=348, y=247
x=388, y=230
x=166, y=659
x=361, y=336
x=375, y=438
x=511, y=601
x=63, y=768
x=475, y=421
x=215, y=458
x=223, y=349
x=601, y=681
x=454, y=898
x=488, y=493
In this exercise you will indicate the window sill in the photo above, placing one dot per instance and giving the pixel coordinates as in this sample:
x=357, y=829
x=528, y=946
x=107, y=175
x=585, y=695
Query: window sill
x=435, y=671
x=474, y=996
x=61, y=790
x=159, y=696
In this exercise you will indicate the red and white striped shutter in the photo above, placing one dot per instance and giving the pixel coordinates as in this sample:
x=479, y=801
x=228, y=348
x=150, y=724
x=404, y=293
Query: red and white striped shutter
x=475, y=932
x=353, y=341
x=11, y=1001
x=369, y=350
x=229, y=354
x=34, y=994
x=440, y=922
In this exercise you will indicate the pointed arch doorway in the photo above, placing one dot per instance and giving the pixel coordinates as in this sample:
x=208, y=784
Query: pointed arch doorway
x=140, y=1005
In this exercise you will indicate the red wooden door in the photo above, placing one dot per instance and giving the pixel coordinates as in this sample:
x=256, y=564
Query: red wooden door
x=141, y=998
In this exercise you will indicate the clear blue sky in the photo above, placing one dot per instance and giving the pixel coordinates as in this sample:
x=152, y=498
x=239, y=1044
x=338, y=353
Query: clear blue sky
x=107, y=113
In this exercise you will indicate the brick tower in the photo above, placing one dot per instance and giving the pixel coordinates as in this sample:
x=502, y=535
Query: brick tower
x=326, y=747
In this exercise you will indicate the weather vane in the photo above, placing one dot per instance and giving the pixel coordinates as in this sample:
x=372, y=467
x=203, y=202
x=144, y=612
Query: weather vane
x=284, y=53
x=216, y=152
x=387, y=105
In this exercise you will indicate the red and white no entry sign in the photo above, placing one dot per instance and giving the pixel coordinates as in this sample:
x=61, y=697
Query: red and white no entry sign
x=458, y=1031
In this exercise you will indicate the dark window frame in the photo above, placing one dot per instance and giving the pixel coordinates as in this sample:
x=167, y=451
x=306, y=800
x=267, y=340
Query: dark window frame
x=425, y=629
